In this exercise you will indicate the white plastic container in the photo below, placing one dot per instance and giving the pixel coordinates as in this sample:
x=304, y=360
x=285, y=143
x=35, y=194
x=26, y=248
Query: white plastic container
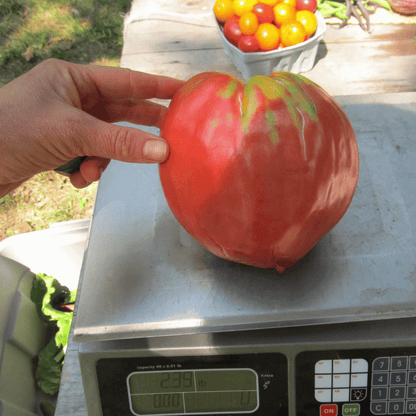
x=298, y=58
x=58, y=252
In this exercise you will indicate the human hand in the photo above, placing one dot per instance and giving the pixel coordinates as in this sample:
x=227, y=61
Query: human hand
x=58, y=111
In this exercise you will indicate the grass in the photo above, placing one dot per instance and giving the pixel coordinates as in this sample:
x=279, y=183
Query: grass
x=79, y=31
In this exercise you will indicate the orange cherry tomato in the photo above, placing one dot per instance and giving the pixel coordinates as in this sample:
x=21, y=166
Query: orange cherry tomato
x=292, y=33
x=284, y=13
x=248, y=23
x=223, y=10
x=309, y=21
x=267, y=36
x=243, y=6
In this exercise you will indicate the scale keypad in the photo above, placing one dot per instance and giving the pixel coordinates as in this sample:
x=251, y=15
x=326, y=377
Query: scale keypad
x=393, y=385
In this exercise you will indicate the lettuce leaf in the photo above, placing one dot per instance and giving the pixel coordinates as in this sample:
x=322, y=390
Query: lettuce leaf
x=49, y=296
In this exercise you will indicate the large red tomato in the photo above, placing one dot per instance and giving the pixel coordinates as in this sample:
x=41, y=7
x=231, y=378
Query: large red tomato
x=258, y=173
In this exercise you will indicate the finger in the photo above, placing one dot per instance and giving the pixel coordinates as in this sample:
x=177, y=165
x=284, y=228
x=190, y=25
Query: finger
x=90, y=171
x=115, y=83
x=119, y=84
x=92, y=168
x=78, y=181
x=110, y=141
x=143, y=112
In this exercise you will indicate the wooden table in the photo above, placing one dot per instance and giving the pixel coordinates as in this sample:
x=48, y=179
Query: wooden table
x=179, y=39
x=349, y=61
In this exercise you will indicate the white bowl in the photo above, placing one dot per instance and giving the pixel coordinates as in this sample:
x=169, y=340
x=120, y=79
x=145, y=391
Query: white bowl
x=297, y=58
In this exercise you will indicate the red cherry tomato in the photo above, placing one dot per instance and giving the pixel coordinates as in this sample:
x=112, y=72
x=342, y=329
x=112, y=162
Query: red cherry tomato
x=232, y=31
x=248, y=43
x=263, y=12
x=310, y=5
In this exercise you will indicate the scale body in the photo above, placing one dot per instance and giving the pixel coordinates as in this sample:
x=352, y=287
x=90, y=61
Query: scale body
x=167, y=328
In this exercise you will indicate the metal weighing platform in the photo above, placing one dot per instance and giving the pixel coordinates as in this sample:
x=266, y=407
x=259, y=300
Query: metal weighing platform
x=166, y=328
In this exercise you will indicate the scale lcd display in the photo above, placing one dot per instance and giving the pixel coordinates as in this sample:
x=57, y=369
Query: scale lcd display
x=193, y=391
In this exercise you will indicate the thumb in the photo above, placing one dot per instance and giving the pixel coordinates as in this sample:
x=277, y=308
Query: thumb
x=126, y=144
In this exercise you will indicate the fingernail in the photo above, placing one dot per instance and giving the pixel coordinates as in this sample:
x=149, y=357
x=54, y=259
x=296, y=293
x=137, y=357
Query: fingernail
x=155, y=150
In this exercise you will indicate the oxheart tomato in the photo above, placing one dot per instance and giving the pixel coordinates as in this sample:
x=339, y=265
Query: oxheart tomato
x=259, y=172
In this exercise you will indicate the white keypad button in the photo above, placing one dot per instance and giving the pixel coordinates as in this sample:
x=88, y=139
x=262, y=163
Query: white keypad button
x=359, y=365
x=359, y=380
x=323, y=367
x=340, y=380
x=323, y=395
x=340, y=395
x=323, y=381
x=341, y=366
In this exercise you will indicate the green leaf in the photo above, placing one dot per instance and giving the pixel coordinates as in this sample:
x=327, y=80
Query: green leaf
x=49, y=371
x=48, y=295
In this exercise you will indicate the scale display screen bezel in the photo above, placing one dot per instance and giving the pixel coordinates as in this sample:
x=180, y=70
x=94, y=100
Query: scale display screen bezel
x=271, y=371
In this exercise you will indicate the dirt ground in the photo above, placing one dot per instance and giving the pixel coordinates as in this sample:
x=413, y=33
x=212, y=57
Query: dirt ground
x=44, y=199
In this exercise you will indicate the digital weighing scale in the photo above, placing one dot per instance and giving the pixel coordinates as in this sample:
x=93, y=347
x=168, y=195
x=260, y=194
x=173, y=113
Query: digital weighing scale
x=166, y=328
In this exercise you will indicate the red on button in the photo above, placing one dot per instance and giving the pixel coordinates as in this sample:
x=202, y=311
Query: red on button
x=328, y=410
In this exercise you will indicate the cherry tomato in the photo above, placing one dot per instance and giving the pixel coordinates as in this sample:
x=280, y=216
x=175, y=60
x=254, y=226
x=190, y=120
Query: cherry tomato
x=292, y=33
x=243, y=6
x=290, y=2
x=310, y=5
x=309, y=21
x=248, y=23
x=248, y=43
x=232, y=30
x=284, y=13
x=268, y=36
x=264, y=12
x=223, y=10
x=270, y=2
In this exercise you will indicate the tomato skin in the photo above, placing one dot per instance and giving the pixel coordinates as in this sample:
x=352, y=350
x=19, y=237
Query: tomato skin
x=310, y=5
x=264, y=12
x=248, y=43
x=232, y=31
x=258, y=173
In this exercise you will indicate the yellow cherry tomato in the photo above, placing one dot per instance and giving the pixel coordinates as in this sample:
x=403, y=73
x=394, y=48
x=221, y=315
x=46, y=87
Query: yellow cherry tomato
x=284, y=13
x=309, y=21
x=248, y=23
x=267, y=36
x=292, y=33
x=243, y=6
x=270, y=2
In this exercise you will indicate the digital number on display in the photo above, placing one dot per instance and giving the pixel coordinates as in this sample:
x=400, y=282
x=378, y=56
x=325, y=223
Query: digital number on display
x=193, y=392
